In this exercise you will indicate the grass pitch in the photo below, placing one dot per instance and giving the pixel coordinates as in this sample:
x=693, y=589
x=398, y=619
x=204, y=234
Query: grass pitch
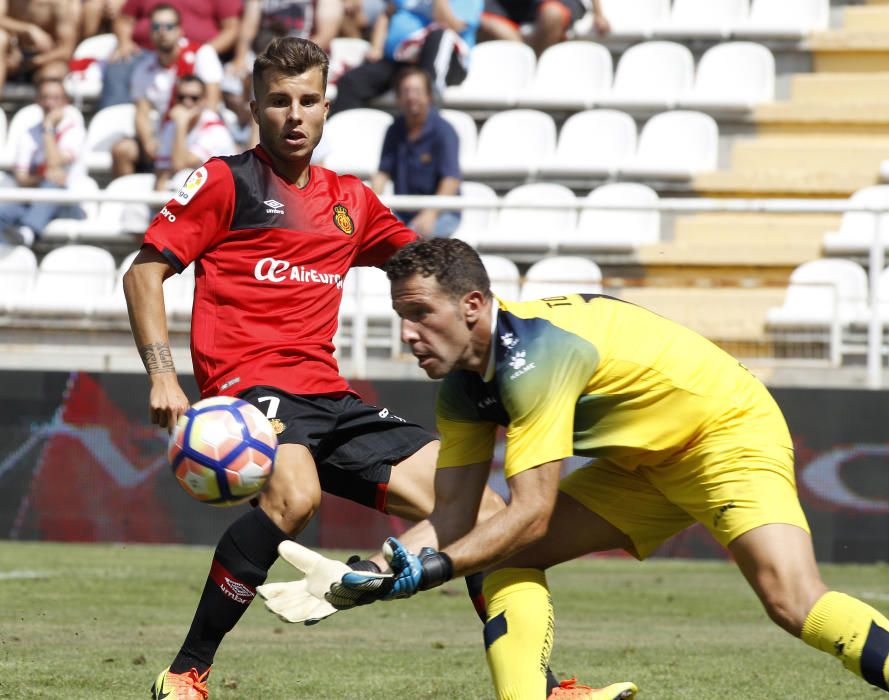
x=97, y=621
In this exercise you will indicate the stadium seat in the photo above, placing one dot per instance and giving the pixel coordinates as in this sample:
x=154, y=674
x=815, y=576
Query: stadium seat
x=528, y=229
x=856, y=232
x=473, y=221
x=345, y=53
x=651, y=76
x=3, y=127
x=675, y=146
x=566, y=274
x=72, y=229
x=70, y=281
x=114, y=304
x=635, y=18
x=466, y=130
x=107, y=127
x=121, y=218
x=594, y=143
x=793, y=19
x=733, y=76
x=703, y=19
x=614, y=230
x=18, y=268
x=21, y=121
x=84, y=79
x=512, y=145
x=570, y=75
x=498, y=72
x=356, y=141
x=367, y=319
x=822, y=293
x=504, y=276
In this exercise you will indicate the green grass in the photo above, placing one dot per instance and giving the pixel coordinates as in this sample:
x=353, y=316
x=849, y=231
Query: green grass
x=99, y=621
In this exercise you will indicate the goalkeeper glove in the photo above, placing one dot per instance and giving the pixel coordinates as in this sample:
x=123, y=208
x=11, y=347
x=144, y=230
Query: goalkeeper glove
x=415, y=573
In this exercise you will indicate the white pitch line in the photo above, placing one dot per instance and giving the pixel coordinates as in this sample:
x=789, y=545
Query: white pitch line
x=19, y=574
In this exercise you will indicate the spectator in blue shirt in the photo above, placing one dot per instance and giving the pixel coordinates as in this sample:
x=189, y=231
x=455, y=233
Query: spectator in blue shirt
x=420, y=154
x=436, y=35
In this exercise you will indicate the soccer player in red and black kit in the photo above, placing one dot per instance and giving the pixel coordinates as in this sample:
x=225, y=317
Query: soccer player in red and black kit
x=272, y=239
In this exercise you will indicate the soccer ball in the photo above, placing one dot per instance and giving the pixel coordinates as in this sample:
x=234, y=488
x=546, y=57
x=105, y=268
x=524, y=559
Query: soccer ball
x=222, y=451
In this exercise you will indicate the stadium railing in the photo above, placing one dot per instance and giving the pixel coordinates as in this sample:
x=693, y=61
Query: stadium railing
x=867, y=333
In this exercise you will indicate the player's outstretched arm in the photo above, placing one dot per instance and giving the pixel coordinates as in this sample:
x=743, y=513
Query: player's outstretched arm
x=143, y=289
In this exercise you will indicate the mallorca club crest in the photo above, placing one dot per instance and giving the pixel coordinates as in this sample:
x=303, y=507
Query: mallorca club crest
x=277, y=425
x=342, y=220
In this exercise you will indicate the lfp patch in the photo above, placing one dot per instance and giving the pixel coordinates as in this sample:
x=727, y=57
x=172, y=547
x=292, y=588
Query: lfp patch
x=194, y=182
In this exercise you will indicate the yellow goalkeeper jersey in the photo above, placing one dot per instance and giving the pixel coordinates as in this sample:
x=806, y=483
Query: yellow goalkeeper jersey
x=594, y=376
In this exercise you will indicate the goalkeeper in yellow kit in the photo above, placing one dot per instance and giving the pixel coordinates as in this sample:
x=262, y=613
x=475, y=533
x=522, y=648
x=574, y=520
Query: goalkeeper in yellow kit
x=678, y=432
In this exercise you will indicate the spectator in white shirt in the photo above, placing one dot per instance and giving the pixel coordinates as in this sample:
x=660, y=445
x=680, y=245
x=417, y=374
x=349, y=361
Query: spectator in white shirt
x=152, y=88
x=48, y=155
x=193, y=134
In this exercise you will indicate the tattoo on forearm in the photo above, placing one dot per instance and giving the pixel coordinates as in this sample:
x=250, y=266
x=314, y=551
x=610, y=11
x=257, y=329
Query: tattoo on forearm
x=157, y=358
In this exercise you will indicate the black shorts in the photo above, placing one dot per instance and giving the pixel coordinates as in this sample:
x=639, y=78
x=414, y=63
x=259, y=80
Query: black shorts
x=354, y=444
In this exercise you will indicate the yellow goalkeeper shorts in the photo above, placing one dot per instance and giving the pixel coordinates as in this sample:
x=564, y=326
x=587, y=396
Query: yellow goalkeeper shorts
x=731, y=483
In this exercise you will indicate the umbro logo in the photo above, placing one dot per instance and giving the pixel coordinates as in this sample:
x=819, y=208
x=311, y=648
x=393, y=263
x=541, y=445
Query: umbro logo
x=274, y=206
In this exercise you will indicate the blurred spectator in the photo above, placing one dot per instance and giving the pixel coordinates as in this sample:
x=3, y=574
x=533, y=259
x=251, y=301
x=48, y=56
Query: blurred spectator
x=153, y=85
x=211, y=22
x=436, y=35
x=264, y=20
x=359, y=17
x=37, y=39
x=420, y=154
x=192, y=135
x=49, y=155
x=503, y=19
x=97, y=17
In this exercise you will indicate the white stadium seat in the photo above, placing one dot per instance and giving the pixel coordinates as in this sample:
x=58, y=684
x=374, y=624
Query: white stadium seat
x=570, y=75
x=498, y=72
x=3, y=127
x=18, y=268
x=86, y=81
x=72, y=229
x=821, y=293
x=366, y=315
x=107, y=127
x=792, y=19
x=21, y=121
x=635, y=18
x=594, y=143
x=857, y=229
x=614, y=230
x=651, y=76
x=513, y=144
x=473, y=221
x=356, y=141
x=733, y=76
x=675, y=146
x=706, y=19
x=530, y=229
x=504, y=276
x=70, y=281
x=557, y=276
x=114, y=305
x=120, y=218
x=466, y=130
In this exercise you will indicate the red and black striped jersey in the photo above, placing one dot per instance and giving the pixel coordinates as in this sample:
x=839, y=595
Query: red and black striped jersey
x=270, y=259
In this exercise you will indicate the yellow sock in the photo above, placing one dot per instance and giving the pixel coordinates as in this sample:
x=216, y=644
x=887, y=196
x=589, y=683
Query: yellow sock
x=518, y=633
x=854, y=632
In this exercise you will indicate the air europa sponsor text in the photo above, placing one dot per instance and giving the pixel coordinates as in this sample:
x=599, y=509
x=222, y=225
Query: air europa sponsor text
x=275, y=270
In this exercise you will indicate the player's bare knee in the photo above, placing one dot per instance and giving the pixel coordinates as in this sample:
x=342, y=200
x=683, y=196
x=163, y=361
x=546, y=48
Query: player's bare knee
x=291, y=511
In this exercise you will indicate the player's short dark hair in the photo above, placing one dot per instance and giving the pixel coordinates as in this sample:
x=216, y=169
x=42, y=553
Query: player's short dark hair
x=168, y=8
x=455, y=265
x=290, y=55
x=407, y=72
